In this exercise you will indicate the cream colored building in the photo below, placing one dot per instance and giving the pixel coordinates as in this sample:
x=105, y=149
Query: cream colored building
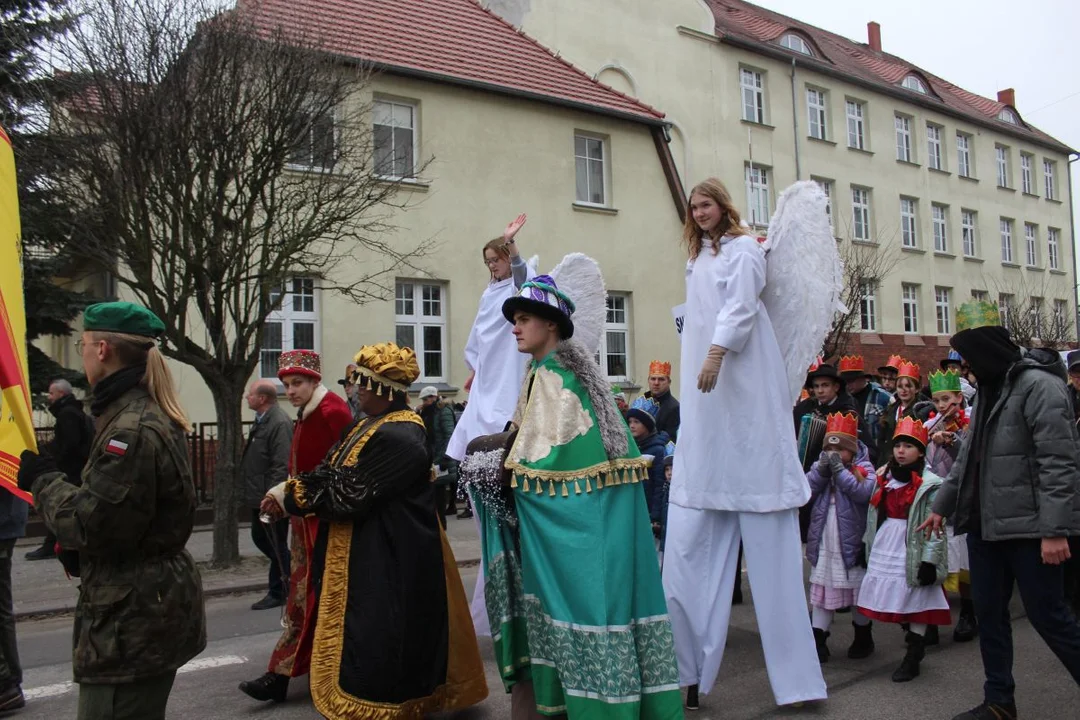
x=977, y=201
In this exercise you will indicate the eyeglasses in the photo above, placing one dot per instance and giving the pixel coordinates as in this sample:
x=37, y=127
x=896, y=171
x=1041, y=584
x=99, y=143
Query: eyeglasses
x=492, y=261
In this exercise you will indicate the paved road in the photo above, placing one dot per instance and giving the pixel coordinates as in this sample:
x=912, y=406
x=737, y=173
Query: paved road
x=241, y=639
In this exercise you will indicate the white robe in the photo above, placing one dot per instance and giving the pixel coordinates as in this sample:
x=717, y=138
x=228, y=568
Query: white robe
x=737, y=449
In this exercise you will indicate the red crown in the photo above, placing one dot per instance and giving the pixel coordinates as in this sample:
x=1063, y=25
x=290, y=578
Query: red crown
x=894, y=362
x=816, y=364
x=852, y=364
x=908, y=370
x=841, y=424
x=912, y=429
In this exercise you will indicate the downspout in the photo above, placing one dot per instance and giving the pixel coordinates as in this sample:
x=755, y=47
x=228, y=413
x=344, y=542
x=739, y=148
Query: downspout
x=795, y=122
x=1072, y=237
x=661, y=138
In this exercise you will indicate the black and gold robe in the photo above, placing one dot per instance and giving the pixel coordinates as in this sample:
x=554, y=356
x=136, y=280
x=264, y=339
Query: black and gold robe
x=393, y=635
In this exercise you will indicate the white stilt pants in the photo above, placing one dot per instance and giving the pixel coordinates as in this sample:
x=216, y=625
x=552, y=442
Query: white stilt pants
x=699, y=575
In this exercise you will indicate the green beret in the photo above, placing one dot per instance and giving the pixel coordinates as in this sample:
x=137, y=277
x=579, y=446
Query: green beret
x=122, y=317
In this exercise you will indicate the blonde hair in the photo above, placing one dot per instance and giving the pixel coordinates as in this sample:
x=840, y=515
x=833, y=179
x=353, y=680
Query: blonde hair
x=158, y=380
x=730, y=222
x=499, y=246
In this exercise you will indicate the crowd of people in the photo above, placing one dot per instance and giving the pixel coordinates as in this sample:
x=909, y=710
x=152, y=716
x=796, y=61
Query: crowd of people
x=613, y=533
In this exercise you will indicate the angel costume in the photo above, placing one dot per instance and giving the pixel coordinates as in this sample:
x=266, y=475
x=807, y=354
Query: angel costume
x=737, y=473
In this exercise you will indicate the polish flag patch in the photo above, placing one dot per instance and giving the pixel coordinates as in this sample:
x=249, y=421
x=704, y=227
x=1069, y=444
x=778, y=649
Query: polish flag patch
x=115, y=447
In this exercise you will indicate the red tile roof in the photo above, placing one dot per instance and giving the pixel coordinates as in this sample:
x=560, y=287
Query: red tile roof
x=743, y=21
x=455, y=41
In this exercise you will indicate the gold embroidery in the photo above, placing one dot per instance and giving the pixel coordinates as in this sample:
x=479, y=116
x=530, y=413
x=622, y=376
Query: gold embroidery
x=553, y=416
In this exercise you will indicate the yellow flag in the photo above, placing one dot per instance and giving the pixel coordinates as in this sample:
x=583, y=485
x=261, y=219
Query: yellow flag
x=16, y=426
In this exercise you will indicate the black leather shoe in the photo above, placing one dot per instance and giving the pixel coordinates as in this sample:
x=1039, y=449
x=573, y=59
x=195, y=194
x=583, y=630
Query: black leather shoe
x=42, y=553
x=989, y=711
x=12, y=699
x=270, y=686
x=270, y=601
x=691, y=698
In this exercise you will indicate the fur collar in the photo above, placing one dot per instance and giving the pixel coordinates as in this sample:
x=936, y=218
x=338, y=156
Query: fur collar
x=316, y=398
x=573, y=356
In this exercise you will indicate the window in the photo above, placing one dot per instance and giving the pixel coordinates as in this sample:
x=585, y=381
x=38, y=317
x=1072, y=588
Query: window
x=860, y=213
x=795, y=43
x=420, y=310
x=395, y=139
x=815, y=107
x=757, y=194
x=856, y=125
x=1053, y=244
x=908, y=234
x=1030, y=244
x=980, y=296
x=1025, y=173
x=911, y=308
x=316, y=146
x=941, y=227
x=903, y=138
x=1002, y=154
x=868, y=308
x=1007, y=115
x=1049, y=167
x=963, y=155
x=941, y=309
x=911, y=82
x=968, y=224
x=826, y=187
x=1061, y=312
x=753, y=95
x=615, y=343
x=1038, y=318
x=1006, y=303
x=291, y=325
x=933, y=146
x=589, y=169
x=1006, y=240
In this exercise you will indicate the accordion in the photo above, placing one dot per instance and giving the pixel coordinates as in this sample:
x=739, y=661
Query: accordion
x=811, y=439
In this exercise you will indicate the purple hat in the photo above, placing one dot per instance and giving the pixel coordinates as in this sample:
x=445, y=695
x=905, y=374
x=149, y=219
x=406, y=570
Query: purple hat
x=542, y=297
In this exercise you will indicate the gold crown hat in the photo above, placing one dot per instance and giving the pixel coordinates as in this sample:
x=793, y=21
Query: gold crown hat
x=976, y=314
x=385, y=366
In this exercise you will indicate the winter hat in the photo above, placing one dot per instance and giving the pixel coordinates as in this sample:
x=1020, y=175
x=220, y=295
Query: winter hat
x=842, y=432
x=543, y=298
x=644, y=410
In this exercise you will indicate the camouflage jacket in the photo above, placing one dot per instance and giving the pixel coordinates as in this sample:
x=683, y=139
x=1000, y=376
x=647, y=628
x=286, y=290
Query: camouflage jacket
x=140, y=611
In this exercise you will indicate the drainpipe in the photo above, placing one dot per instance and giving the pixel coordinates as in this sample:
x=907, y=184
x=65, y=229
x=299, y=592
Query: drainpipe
x=795, y=122
x=1072, y=231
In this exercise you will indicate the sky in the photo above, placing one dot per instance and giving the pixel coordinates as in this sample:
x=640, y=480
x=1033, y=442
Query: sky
x=981, y=45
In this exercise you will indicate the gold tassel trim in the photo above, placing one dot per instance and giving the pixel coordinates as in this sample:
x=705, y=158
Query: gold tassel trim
x=618, y=472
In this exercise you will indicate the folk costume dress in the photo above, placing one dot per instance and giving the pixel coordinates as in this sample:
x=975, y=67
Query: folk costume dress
x=940, y=459
x=393, y=636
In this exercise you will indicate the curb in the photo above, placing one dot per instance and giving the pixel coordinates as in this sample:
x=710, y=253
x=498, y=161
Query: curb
x=239, y=589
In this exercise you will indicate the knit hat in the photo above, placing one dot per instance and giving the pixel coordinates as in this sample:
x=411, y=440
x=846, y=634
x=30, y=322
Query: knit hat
x=842, y=432
x=300, y=362
x=644, y=410
x=542, y=297
x=429, y=391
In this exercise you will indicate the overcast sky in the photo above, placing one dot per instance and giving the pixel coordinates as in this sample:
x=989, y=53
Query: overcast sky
x=981, y=45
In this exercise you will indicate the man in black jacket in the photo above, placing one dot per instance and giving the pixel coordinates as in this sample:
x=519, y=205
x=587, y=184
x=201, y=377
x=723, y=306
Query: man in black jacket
x=73, y=434
x=668, y=419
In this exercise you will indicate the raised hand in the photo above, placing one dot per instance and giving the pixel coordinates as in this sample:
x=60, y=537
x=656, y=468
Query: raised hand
x=512, y=229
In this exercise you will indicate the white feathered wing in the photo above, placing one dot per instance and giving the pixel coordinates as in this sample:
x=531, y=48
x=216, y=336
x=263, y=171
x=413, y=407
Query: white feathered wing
x=579, y=276
x=804, y=278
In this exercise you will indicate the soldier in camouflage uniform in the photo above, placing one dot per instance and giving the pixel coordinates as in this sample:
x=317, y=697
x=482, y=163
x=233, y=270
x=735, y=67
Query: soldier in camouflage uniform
x=140, y=614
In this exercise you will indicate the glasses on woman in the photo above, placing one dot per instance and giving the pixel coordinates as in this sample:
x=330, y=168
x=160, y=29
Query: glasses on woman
x=491, y=261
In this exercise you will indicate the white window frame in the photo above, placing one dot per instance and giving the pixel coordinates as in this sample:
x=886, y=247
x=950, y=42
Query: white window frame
x=827, y=188
x=860, y=206
x=1061, y=314
x=1031, y=244
x=1007, y=115
x=1005, y=226
x=397, y=109
x=933, y=146
x=757, y=196
x=1006, y=303
x=940, y=215
x=942, y=311
x=969, y=224
x=868, y=308
x=963, y=155
x=915, y=84
x=909, y=222
x=910, y=295
x=1053, y=248
x=856, y=123
x=1026, y=176
x=817, y=104
x=416, y=295
x=1001, y=156
x=613, y=326
x=796, y=43
x=752, y=87
x=903, y=138
x=980, y=296
x=285, y=313
x=1036, y=306
x=1050, y=179
x=587, y=163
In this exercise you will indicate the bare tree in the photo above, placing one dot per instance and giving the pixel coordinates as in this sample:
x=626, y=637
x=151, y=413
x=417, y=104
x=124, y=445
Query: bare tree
x=1023, y=307
x=214, y=158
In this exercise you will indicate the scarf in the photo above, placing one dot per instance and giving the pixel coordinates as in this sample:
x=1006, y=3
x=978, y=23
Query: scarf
x=110, y=388
x=910, y=475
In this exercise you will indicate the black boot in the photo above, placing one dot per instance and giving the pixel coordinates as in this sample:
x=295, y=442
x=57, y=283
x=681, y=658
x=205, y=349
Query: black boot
x=909, y=666
x=989, y=711
x=45, y=552
x=821, y=640
x=691, y=698
x=270, y=686
x=863, y=644
x=932, y=636
x=967, y=627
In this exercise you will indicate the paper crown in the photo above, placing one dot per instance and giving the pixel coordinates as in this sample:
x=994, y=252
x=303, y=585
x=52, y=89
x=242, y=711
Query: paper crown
x=669, y=453
x=893, y=363
x=976, y=314
x=909, y=370
x=911, y=429
x=645, y=404
x=852, y=364
x=657, y=367
x=386, y=366
x=816, y=364
x=944, y=382
x=842, y=424
x=300, y=362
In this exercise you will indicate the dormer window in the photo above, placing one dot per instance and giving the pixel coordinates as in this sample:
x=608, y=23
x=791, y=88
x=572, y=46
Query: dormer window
x=796, y=43
x=912, y=82
x=1007, y=115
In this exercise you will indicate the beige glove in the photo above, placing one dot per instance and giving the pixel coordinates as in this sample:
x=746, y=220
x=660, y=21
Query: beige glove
x=710, y=369
x=277, y=494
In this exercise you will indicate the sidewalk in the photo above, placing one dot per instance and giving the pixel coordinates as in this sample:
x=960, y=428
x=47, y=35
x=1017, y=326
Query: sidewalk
x=42, y=588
